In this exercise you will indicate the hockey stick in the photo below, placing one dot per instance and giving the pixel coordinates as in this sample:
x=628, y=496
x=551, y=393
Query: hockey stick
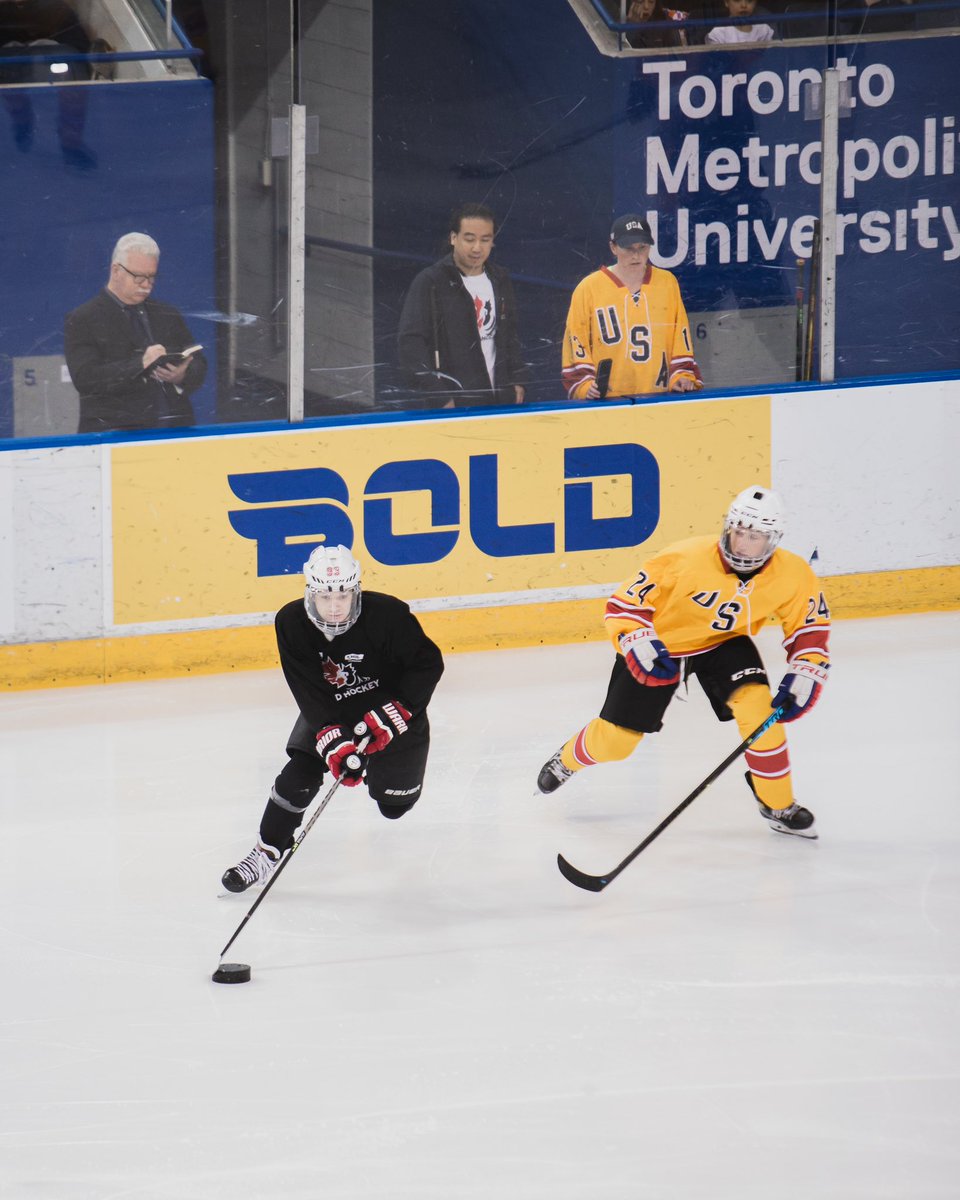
x=603, y=376
x=596, y=883
x=814, y=287
x=292, y=851
x=798, y=352
x=435, y=328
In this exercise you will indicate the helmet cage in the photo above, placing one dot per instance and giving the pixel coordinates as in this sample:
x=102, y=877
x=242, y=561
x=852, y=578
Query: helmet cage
x=328, y=570
x=756, y=508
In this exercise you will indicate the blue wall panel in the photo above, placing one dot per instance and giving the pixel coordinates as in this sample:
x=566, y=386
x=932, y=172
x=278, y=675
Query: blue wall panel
x=506, y=104
x=513, y=105
x=697, y=159
x=82, y=165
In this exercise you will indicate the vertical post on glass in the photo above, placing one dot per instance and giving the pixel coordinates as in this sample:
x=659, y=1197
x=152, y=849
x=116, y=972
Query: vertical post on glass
x=828, y=223
x=296, y=254
x=169, y=24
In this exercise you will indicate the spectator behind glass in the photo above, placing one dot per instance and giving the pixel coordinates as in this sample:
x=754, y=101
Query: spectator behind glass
x=111, y=341
x=42, y=20
x=457, y=336
x=732, y=35
x=627, y=331
x=644, y=11
x=30, y=27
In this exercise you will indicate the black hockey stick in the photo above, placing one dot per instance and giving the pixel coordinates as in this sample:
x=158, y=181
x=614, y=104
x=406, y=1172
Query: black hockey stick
x=813, y=289
x=435, y=327
x=798, y=354
x=596, y=883
x=292, y=851
x=603, y=376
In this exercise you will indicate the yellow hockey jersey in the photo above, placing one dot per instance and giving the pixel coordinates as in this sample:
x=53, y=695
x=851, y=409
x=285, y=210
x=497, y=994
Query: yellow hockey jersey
x=694, y=601
x=645, y=333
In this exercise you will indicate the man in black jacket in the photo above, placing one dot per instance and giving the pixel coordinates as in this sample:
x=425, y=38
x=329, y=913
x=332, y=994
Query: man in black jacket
x=111, y=341
x=458, y=329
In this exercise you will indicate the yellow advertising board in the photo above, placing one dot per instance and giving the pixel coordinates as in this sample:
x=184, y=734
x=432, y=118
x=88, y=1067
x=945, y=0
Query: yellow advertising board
x=446, y=512
x=505, y=530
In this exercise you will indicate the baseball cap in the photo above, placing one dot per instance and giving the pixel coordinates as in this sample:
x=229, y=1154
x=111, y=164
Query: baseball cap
x=630, y=229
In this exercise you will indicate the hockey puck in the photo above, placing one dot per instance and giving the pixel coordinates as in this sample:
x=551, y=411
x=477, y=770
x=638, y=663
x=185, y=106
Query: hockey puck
x=232, y=973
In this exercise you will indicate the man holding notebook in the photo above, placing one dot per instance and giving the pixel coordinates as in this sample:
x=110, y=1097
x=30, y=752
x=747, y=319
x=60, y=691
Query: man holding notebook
x=132, y=359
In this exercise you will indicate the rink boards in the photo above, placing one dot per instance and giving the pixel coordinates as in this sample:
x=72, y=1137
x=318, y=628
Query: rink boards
x=164, y=557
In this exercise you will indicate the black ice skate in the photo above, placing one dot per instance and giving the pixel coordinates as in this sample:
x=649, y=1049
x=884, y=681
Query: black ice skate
x=553, y=774
x=257, y=867
x=795, y=819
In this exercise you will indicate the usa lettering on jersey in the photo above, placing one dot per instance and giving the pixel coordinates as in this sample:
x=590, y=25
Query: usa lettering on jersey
x=687, y=594
x=645, y=333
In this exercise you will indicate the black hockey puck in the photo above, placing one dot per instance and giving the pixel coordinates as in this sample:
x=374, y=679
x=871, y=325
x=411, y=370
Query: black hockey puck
x=232, y=973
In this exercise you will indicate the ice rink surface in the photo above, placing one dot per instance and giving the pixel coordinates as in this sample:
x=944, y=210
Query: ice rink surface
x=434, y=1011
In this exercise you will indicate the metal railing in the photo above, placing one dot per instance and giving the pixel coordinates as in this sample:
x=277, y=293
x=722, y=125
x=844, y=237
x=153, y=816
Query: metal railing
x=834, y=19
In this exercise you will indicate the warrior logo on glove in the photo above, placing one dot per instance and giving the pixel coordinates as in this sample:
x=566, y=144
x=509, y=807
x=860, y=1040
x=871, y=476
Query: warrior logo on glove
x=383, y=725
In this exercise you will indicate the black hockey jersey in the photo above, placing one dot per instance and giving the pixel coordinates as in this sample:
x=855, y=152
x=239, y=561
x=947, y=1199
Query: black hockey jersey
x=384, y=656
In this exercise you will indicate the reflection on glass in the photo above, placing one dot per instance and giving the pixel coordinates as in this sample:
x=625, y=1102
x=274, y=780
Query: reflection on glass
x=551, y=123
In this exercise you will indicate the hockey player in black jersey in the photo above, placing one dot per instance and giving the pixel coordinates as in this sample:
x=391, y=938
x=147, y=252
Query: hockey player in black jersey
x=350, y=663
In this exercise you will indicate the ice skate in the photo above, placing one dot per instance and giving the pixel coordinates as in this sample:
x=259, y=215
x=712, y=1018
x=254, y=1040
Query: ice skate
x=553, y=774
x=796, y=819
x=256, y=868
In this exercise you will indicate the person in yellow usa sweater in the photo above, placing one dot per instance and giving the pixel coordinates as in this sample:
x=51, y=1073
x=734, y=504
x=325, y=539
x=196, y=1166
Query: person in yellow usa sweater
x=627, y=331
x=693, y=609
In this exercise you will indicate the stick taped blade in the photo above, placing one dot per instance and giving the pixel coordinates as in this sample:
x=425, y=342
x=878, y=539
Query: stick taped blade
x=232, y=973
x=590, y=883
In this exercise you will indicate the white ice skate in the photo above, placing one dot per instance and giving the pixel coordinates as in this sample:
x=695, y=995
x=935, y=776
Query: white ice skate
x=256, y=868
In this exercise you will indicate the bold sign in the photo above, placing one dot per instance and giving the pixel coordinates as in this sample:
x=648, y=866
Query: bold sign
x=273, y=525
x=433, y=509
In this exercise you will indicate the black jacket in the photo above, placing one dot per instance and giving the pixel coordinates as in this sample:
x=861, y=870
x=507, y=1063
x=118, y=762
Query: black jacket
x=385, y=656
x=104, y=351
x=438, y=318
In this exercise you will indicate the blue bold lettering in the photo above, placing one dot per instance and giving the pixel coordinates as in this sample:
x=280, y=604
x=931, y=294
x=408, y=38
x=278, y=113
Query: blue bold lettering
x=271, y=528
x=418, y=475
x=584, y=531
x=489, y=536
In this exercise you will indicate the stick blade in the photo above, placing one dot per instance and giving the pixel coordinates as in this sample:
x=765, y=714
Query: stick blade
x=589, y=883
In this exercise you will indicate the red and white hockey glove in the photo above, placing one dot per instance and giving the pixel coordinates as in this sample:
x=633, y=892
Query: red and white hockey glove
x=383, y=725
x=648, y=659
x=800, y=688
x=341, y=754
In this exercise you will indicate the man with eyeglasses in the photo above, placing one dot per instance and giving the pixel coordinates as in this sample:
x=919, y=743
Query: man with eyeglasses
x=111, y=342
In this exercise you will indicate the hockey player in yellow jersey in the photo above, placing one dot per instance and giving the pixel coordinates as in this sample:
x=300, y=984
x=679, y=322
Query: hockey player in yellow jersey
x=629, y=316
x=693, y=609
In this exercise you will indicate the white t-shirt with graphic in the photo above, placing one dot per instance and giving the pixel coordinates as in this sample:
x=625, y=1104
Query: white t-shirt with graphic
x=731, y=35
x=480, y=288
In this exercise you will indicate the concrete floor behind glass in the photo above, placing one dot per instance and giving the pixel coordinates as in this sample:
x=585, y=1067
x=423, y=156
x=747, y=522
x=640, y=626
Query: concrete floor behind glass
x=434, y=1011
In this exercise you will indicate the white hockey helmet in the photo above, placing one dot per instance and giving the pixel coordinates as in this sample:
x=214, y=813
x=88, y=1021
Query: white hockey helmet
x=755, y=508
x=331, y=570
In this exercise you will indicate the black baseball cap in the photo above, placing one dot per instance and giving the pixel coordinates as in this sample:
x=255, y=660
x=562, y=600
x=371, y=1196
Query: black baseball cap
x=630, y=229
